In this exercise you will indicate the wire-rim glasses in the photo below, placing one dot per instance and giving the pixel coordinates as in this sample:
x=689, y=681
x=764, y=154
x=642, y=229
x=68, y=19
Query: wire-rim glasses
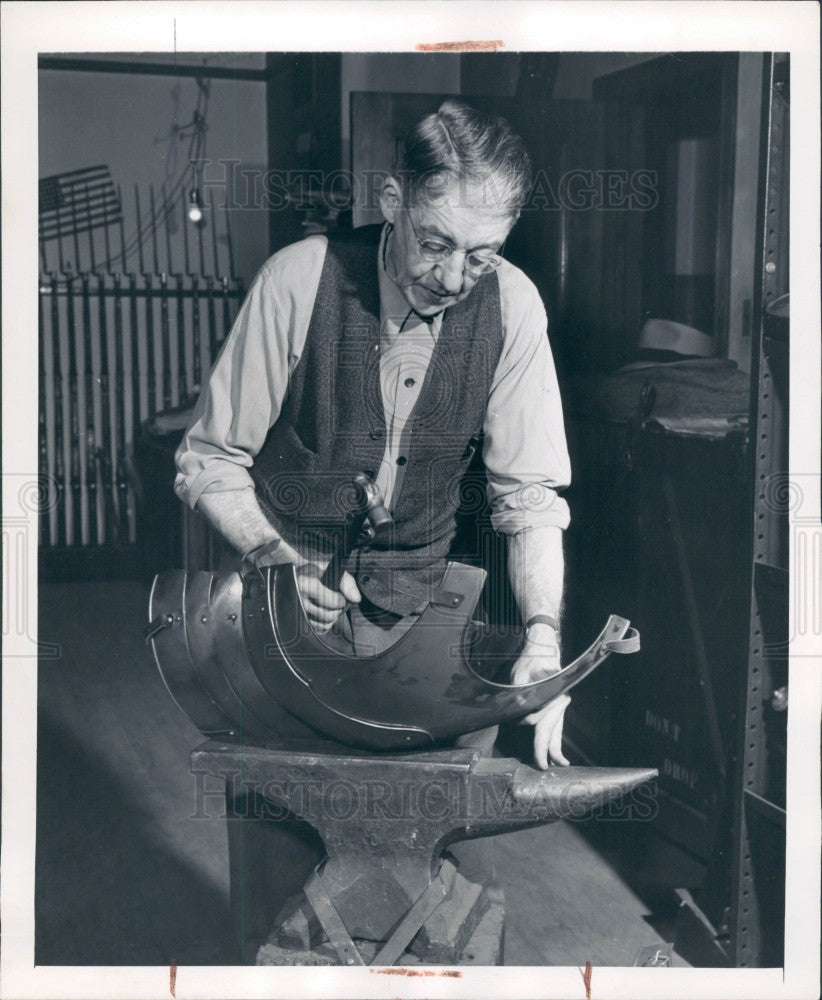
x=436, y=250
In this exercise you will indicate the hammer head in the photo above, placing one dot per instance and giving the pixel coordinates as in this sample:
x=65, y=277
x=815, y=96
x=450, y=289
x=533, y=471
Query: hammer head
x=377, y=515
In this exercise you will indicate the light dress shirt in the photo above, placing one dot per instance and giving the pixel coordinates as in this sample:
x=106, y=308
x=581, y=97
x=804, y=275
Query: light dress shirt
x=524, y=448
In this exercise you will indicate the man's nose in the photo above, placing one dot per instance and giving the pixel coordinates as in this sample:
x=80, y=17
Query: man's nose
x=451, y=273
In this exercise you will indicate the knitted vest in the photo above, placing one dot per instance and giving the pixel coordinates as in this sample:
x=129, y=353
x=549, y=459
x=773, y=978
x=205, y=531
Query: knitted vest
x=332, y=423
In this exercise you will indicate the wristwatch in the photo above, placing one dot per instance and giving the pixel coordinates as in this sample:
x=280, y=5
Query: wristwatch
x=542, y=620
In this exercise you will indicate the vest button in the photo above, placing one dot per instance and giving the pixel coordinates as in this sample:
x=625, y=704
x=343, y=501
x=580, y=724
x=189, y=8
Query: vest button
x=376, y=434
x=409, y=382
x=402, y=460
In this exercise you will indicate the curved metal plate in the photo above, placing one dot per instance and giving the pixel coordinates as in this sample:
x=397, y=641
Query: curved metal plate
x=226, y=613
x=241, y=659
x=421, y=687
x=171, y=654
x=201, y=627
x=274, y=654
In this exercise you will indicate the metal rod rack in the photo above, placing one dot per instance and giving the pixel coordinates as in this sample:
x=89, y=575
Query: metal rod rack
x=116, y=348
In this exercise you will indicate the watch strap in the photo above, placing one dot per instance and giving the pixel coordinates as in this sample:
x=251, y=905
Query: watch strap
x=542, y=620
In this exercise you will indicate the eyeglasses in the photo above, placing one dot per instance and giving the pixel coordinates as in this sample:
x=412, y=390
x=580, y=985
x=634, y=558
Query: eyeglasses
x=435, y=250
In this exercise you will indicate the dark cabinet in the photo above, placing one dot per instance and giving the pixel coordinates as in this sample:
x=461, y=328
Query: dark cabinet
x=688, y=535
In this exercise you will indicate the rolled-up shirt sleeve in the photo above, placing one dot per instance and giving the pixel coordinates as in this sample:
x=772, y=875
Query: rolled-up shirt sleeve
x=249, y=380
x=525, y=451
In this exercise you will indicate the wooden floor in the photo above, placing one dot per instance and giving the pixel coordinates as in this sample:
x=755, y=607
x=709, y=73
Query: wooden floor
x=127, y=873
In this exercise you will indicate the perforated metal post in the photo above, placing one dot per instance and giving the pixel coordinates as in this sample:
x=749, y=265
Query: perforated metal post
x=758, y=885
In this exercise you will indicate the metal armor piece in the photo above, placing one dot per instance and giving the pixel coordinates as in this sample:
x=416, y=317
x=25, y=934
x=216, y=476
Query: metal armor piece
x=245, y=655
x=177, y=669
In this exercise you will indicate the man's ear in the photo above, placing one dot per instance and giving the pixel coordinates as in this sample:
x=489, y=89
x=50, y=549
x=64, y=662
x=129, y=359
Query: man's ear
x=390, y=198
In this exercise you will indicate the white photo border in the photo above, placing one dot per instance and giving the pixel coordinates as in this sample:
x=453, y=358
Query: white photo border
x=29, y=28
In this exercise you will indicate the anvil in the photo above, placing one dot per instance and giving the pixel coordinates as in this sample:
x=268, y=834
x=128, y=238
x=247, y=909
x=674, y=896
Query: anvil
x=385, y=819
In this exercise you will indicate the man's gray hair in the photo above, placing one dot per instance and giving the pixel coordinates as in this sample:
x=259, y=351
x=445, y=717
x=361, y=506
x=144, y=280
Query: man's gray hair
x=459, y=143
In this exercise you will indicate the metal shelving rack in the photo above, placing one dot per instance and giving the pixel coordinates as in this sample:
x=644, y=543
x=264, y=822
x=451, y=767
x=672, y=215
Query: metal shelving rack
x=758, y=876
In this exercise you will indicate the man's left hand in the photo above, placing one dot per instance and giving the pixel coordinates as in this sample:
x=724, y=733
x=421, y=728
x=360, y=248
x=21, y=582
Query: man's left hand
x=538, y=660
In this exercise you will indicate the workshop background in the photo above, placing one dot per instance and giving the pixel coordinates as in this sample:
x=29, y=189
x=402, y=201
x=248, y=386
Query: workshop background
x=658, y=238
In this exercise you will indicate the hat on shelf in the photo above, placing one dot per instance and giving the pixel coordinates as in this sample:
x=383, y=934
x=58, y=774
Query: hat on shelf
x=666, y=335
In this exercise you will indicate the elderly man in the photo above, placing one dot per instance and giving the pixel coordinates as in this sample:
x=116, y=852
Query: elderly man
x=397, y=351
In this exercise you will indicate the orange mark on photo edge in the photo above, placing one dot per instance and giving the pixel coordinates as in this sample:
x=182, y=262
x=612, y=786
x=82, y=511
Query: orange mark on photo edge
x=586, y=978
x=172, y=979
x=459, y=46
x=405, y=971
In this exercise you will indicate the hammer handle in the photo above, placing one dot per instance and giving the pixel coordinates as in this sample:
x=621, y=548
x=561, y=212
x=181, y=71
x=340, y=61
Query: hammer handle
x=371, y=512
x=334, y=570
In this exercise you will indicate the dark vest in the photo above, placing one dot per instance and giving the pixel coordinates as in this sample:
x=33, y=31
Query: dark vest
x=332, y=423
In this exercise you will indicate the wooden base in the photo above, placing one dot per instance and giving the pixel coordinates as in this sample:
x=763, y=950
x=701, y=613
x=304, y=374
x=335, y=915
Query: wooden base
x=484, y=947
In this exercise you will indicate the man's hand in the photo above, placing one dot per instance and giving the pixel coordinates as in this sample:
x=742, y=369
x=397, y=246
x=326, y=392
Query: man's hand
x=322, y=605
x=538, y=660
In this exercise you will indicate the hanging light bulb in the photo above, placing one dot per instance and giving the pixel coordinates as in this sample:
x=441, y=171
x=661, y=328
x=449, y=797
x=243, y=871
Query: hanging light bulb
x=195, y=207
